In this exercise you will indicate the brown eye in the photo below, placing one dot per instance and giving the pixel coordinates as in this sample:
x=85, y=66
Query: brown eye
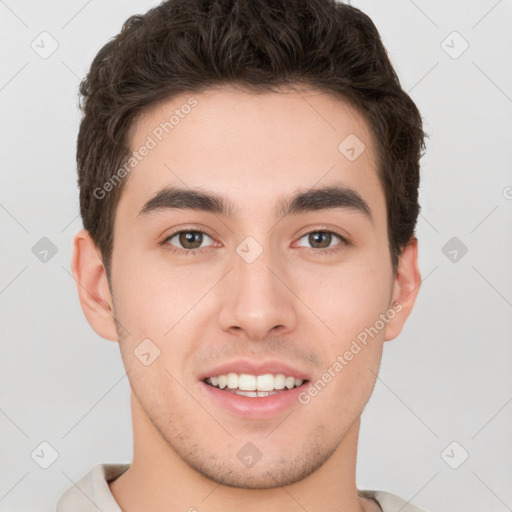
x=190, y=239
x=187, y=239
x=322, y=239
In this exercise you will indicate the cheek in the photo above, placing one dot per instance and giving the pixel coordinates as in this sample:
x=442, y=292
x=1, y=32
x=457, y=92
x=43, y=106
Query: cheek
x=347, y=299
x=153, y=294
x=159, y=309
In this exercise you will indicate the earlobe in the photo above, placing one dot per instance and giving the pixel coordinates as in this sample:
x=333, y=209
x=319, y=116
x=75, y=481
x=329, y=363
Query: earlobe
x=405, y=289
x=92, y=286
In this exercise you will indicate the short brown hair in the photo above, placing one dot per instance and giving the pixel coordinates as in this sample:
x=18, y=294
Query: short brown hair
x=190, y=45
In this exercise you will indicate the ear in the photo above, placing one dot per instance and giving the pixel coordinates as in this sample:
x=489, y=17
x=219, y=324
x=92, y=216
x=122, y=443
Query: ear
x=92, y=285
x=405, y=289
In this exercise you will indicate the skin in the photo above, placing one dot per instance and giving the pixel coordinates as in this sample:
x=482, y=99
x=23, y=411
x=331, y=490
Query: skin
x=289, y=304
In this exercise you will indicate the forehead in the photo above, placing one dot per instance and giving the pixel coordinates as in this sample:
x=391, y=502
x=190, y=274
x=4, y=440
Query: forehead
x=251, y=148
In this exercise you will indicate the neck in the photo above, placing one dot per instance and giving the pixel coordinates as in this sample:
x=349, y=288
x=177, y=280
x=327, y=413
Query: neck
x=159, y=480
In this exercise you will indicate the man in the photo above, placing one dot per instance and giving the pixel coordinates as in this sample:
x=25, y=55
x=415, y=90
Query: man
x=248, y=176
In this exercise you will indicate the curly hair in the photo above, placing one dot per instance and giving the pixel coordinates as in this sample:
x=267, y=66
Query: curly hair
x=192, y=45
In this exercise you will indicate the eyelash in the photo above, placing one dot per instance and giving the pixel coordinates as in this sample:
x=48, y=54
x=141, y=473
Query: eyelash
x=195, y=252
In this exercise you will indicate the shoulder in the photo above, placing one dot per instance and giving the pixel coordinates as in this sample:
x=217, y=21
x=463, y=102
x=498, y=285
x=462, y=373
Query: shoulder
x=92, y=491
x=390, y=502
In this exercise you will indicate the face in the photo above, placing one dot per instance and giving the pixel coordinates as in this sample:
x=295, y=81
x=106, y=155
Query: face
x=199, y=292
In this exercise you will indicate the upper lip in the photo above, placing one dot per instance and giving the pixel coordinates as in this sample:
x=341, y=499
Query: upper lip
x=253, y=367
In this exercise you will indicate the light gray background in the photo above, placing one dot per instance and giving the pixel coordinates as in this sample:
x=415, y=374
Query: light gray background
x=446, y=378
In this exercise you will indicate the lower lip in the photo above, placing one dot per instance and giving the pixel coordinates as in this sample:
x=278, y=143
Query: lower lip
x=260, y=407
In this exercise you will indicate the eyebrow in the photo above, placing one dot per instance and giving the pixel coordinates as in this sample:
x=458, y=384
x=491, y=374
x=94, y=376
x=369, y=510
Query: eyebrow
x=323, y=198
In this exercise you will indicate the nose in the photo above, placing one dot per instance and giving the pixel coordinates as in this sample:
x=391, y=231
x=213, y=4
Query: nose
x=258, y=298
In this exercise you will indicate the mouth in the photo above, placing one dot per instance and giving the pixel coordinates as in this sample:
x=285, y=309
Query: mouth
x=252, y=396
x=254, y=386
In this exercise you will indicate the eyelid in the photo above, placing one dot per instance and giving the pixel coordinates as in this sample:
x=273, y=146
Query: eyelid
x=321, y=227
x=177, y=231
x=186, y=227
x=328, y=229
x=312, y=229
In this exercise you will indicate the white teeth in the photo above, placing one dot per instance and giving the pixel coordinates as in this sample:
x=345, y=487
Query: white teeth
x=265, y=382
x=223, y=381
x=279, y=381
x=290, y=382
x=247, y=382
x=254, y=385
x=265, y=393
x=232, y=380
x=252, y=393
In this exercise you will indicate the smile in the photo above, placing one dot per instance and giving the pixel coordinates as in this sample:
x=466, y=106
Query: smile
x=251, y=396
x=254, y=386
